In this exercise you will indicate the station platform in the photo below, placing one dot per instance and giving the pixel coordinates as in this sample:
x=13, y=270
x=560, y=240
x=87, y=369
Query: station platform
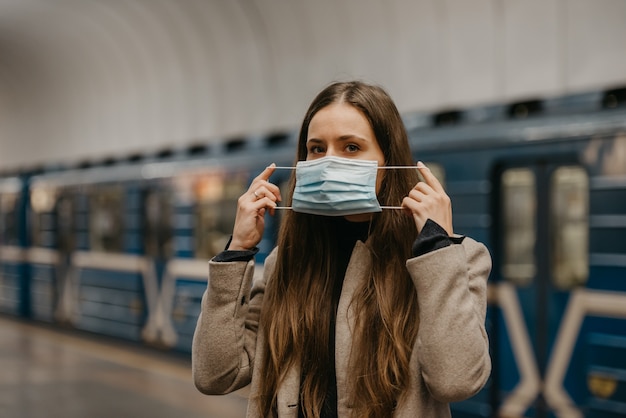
x=47, y=372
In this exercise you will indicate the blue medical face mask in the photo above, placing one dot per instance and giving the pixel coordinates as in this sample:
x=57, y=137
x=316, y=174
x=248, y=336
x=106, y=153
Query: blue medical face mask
x=335, y=186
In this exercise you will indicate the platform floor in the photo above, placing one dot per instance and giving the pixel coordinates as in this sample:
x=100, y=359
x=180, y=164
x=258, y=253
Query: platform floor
x=51, y=373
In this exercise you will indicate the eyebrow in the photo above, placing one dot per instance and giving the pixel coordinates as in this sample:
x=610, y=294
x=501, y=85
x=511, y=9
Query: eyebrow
x=341, y=138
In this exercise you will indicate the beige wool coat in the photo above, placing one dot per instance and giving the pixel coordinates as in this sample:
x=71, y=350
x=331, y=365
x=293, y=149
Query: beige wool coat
x=450, y=359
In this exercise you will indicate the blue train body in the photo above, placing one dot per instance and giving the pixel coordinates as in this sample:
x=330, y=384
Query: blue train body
x=121, y=249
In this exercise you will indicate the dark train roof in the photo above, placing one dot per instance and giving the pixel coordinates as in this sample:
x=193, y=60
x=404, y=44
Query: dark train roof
x=552, y=119
x=566, y=117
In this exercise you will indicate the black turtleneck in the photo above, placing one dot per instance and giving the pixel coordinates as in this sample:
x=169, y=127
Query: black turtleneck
x=347, y=233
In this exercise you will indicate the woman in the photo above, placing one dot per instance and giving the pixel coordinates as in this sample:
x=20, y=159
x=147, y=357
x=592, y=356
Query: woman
x=372, y=313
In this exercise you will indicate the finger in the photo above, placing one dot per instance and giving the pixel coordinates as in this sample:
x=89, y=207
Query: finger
x=414, y=203
x=263, y=203
x=429, y=177
x=419, y=194
x=416, y=196
x=265, y=174
x=273, y=190
x=250, y=203
x=414, y=209
x=268, y=190
x=260, y=192
x=258, y=198
x=407, y=204
x=262, y=180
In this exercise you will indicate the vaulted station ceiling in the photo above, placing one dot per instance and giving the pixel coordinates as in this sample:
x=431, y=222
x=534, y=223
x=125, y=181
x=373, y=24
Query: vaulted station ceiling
x=83, y=79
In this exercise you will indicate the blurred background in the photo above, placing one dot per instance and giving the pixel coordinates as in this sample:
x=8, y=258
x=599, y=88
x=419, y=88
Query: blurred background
x=129, y=128
x=94, y=79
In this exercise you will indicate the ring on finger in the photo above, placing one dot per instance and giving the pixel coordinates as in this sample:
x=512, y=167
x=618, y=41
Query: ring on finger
x=256, y=195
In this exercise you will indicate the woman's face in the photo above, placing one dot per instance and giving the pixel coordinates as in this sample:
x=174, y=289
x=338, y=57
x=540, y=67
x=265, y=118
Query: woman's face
x=341, y=130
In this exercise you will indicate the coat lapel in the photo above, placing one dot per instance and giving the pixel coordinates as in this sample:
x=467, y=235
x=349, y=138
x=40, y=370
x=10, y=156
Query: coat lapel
x=356, y=272
x=289, y=393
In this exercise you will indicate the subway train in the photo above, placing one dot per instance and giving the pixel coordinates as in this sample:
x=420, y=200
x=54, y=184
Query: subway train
x=120, y=247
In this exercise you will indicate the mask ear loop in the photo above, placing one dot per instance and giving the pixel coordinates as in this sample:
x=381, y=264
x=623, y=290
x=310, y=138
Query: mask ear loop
x=390, y=167
x=395, y=167
x=284, y=168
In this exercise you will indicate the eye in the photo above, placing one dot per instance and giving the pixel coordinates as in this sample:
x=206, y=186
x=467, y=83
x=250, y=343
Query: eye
x=352, y=148
x=316, y=149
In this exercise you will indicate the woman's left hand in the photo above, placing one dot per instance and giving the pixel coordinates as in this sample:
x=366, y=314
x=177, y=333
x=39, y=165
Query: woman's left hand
x=428, y=200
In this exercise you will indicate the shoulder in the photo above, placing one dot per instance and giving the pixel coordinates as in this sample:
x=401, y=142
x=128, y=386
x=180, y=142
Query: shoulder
x=266, y=270
x=273, y=255
x=270, y=260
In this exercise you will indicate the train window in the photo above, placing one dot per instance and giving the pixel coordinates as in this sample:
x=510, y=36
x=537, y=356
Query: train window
x=570, y=226
x=9, y=219
x=158, y=231
x=216, y=195
x=42, y=200
x=105, y=220
x=519, y=225
x=66, y=240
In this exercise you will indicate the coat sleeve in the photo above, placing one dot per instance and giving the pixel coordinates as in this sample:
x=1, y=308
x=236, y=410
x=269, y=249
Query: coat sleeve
x=452, y=342
x=224, y=341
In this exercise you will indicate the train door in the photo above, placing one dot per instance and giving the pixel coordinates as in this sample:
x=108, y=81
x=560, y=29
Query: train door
x=42, y=256
x=65, y=216
x=157, y=227
x=541, y=256
x=14, y=284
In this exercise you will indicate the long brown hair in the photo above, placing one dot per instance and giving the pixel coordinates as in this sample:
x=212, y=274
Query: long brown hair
x=298, y=296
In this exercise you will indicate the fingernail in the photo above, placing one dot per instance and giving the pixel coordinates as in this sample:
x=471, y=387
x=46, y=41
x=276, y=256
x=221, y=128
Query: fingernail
x=420, y=165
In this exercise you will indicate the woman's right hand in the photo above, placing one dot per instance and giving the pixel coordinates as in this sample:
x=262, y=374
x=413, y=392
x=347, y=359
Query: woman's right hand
x=251, y=206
